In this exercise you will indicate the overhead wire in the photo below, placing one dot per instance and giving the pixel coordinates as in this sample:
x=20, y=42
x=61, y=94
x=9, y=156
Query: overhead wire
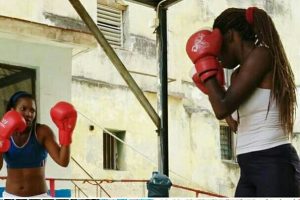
x=130, y=146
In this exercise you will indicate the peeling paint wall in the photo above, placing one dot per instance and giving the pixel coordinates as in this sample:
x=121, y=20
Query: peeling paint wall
x=27, y=9
x=210, y=172
x=194, y=142
x=113, y=107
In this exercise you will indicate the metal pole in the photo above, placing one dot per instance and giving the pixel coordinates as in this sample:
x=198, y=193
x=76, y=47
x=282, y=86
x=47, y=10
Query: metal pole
x=163, y=91
x=116, y=61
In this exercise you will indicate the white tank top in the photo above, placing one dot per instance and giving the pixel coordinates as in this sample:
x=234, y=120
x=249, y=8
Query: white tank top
x=259, y=129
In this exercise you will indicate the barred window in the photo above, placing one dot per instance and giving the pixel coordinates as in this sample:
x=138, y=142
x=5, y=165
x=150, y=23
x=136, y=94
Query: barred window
x=226, y=147
x=110, y=22
x=226, y=142
x=113, y=155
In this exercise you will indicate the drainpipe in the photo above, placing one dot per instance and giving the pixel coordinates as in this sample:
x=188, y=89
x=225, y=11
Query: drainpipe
x=161, y=35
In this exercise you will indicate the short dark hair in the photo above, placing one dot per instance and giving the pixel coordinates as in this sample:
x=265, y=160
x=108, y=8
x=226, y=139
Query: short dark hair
x=15, y=97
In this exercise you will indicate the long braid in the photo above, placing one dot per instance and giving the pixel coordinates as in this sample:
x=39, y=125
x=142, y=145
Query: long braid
x=263, y=32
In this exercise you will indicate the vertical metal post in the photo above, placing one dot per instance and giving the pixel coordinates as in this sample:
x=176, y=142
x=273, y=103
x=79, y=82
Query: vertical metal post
x=163, y=91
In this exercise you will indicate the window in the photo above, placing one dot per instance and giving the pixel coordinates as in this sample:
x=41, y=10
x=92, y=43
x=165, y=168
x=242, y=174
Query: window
x=113, y=154
x=110, y=21
x=13, y=79
x=227, y=142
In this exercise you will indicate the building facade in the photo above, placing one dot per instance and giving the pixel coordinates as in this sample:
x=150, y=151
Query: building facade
x=114, y=138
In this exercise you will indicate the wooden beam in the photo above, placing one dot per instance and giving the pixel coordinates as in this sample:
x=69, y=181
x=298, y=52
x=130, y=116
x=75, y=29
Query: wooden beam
x=14, y=78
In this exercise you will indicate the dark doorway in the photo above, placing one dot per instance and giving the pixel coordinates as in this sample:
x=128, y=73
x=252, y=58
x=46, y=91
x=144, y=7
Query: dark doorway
x=12, y=79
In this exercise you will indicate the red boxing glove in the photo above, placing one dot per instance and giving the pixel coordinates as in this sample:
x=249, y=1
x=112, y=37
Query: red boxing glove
x=202, y=48
x=11, y=122
x=196, y=79
x=64, y=116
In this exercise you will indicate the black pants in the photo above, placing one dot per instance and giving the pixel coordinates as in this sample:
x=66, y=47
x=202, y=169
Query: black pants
x=273, y=172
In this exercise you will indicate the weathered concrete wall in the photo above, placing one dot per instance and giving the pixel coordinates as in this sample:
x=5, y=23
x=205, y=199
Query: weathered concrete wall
x=100, y=94
x=113, y=107
x=194, y=143
x=34, y=10
x=210, y=173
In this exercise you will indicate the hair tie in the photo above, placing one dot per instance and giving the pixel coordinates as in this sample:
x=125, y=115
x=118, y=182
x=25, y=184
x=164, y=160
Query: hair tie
x=17, y=95
x=14, y=98
x=249, y=15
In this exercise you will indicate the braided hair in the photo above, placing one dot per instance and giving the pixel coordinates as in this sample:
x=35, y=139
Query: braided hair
x=261, y=31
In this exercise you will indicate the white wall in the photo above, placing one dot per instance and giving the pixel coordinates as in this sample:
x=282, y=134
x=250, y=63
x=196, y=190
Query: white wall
x=33, y=10
x=53, y=71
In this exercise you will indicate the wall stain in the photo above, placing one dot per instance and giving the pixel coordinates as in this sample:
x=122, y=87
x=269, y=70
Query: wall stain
x=143, y=45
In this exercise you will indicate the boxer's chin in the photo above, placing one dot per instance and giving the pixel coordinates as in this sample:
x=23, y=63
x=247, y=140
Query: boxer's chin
x=28, y=124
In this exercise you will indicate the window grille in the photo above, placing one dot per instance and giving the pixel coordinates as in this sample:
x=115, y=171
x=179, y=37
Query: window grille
x=113, y=150
x=110, y=22
x=226, y=141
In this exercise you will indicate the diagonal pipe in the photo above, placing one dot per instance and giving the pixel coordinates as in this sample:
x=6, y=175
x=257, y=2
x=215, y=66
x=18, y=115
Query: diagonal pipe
x=116, y=61
x=90, y=176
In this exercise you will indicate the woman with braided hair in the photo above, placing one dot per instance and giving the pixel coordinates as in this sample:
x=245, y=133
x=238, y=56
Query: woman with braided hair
x=261, y=98
x=262, y=92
